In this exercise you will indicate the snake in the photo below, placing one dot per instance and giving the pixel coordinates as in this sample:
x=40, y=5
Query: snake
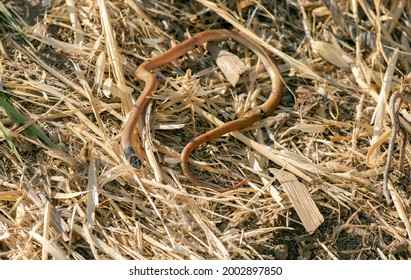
x=144, y=73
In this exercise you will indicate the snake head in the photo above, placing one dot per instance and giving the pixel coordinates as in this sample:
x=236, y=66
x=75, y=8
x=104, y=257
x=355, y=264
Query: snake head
x=132, y=158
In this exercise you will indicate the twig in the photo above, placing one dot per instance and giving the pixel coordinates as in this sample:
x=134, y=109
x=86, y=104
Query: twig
x=394, y=107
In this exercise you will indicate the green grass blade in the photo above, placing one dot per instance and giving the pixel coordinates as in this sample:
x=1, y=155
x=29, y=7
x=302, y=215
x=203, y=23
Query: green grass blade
x=13, y=148
x=18, y=117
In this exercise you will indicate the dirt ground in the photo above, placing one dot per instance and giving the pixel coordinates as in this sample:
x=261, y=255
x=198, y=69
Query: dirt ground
x=67, y=83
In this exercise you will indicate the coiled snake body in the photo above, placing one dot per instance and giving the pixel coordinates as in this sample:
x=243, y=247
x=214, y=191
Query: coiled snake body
x=145, y=74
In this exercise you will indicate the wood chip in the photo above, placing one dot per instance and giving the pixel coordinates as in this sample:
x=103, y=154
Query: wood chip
x=230, y=64
x=301, y=199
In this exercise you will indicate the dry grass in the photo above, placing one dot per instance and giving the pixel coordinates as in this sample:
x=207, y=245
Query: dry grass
x=67, y=68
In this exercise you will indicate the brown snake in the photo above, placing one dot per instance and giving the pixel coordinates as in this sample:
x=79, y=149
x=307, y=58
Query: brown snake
x=145, y=74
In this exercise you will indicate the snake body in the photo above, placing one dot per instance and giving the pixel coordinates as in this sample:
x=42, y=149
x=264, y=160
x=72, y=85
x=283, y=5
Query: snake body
x=144, y=73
